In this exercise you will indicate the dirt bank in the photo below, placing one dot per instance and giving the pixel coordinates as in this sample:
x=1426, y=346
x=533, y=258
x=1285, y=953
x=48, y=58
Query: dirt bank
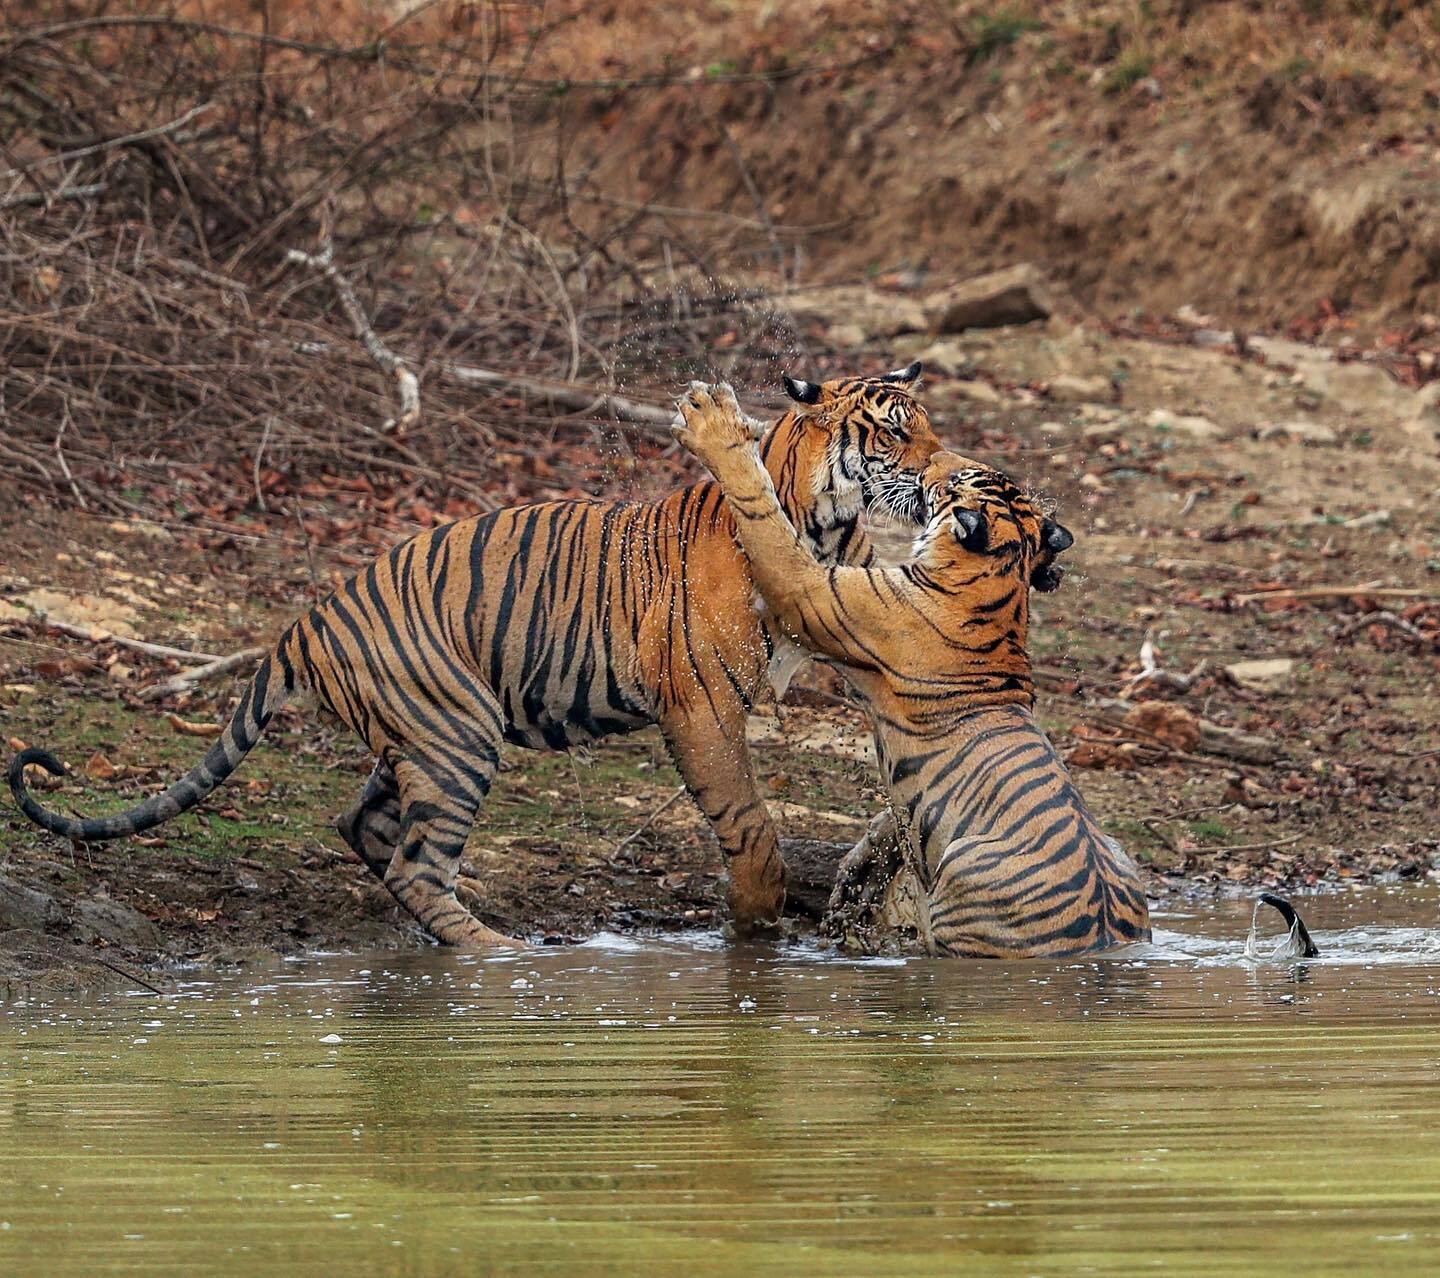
x=1272, y=163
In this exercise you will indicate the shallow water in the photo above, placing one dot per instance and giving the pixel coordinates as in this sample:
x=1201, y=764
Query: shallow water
x=625, y=1107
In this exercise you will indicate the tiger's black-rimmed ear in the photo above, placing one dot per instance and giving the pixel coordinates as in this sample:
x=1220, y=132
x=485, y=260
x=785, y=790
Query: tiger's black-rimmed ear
x=905, y=376
x=801, y=392
x=972, y=531
x=1055, y=536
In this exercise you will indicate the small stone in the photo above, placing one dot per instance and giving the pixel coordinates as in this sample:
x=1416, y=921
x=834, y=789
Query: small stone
x=950, y=359
x=1017, y=295
x=1104, y=430
x=976, y=392
x=1263, y=675
x=1373, y=519
x=1190, y=317
x=846, y=336
x=1304, y=432
x=1070, y=388
x=1193, y=425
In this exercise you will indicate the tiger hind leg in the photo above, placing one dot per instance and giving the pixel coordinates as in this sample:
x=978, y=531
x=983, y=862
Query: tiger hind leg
x=371, y=828
x=438, y=802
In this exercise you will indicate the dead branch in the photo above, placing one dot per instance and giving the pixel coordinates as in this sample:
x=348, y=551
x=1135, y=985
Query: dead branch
x=389, y=362
x=66, y=157
x=647, y=823
x=566, y=393
x=1390, y=619
x=98, y=634
x=1373, y=590
x=188, y=679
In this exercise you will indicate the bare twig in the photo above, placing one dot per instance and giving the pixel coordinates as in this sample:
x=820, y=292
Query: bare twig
x=568, y=394
x=1255, y=847
x=127, y=974
x=647, y=823
x=1373, y=590
x=49, y=197
x=1406, y=628
x=127, y=139
x=98, y=634
x=389, y=362
x=188, y=679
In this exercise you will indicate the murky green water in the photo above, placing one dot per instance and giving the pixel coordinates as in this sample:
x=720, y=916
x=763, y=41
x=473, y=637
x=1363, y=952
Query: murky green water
x=622, y=1109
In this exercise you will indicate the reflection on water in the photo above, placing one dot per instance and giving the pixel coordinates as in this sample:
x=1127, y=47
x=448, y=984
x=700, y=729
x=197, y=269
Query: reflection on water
x=628, y=1107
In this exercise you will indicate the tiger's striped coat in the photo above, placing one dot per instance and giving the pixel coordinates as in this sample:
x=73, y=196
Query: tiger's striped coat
x=555, y=624
x=1011, y=860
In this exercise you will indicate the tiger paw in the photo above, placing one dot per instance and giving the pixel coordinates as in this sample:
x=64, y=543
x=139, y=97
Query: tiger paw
x=710, y=424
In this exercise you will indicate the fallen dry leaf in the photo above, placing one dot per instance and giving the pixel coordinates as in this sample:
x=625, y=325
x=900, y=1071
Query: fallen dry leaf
x=99, y=768
x=1169, y=724
x=17, y=744
x=191, y=729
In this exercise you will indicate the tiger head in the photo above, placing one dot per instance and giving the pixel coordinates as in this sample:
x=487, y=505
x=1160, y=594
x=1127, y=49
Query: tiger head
x=877, y=441
x=980, y=524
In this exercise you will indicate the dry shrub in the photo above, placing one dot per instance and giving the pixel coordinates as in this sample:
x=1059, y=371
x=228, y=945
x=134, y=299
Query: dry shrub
x=159, y=169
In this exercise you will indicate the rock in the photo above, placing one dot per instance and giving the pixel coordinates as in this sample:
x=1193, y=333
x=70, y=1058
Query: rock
x=975, y=392
x=1190, y=317
x=1069, y=388
x=952, y=359
x=1372, y=519
x=1262, y=675
x=1104, y=430
x=1194, y=426
x=846, y=336
x=1017, y=295
x=101, y=615
x=877, y=315
x=1305, y=432
x=1424, y=415
x=1281, y=350
x=99, y=918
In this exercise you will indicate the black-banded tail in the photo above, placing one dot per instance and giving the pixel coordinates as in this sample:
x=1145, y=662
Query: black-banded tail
x=1303, y=946
x=271, y=687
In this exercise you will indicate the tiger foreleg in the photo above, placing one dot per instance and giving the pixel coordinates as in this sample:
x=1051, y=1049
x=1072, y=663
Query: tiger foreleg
x=715, y=766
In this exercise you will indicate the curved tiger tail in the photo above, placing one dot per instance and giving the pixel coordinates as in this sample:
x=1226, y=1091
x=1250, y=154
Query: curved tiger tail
x=272, y=686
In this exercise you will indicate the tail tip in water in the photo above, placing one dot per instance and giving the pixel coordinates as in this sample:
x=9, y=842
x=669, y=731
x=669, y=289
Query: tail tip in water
x=1305, y=947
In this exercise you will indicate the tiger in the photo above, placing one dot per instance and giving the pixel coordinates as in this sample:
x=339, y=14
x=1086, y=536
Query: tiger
x=552, y=625
x=1010, y=860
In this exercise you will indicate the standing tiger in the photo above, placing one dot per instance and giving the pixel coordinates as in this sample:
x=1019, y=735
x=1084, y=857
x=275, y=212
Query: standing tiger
x=1011, y=861
x=555, y=624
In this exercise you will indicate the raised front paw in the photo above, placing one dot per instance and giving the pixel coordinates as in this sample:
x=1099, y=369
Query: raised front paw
x=709, y=422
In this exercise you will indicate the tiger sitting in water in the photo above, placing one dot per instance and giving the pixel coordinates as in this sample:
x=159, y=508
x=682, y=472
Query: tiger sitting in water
x=1010, y=859
x=556, y=624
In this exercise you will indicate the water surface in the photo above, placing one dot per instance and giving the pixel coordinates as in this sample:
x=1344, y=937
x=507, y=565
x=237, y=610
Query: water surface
x=642, y=1107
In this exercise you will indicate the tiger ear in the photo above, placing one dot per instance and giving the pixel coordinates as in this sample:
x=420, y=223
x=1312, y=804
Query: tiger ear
x=801, y=392
x=905, y=376
x=971, y=530
x=1055, y=537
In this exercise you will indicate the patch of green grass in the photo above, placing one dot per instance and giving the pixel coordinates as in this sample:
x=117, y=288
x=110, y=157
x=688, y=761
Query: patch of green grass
x=1209, y=830
x=997, y=32
x=1126, y=73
